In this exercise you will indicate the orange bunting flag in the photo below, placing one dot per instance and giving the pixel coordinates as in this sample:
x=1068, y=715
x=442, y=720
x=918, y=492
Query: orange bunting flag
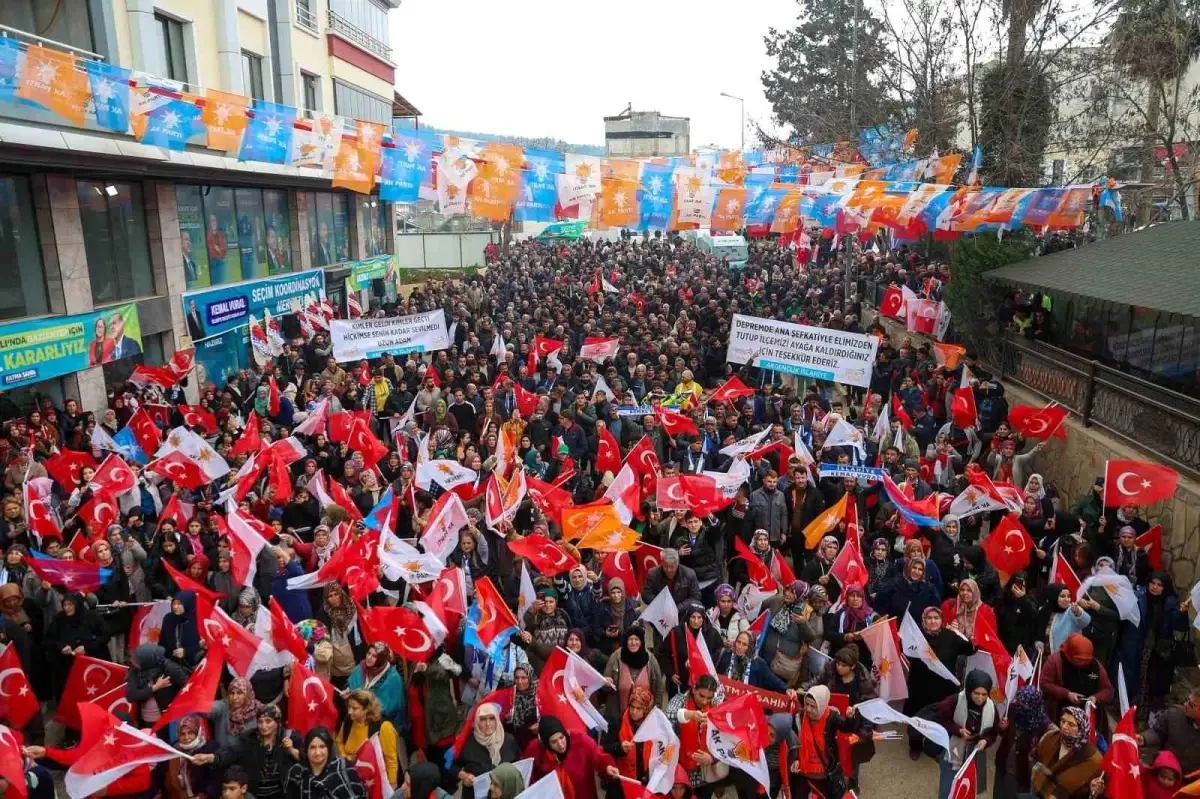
x=357, y=158
x=729, y=210
x=615, y=539
x=55, y=81
x=225, y=118
x=1070, y=211
x=498, y=184
x=944, y=168
x=731, y=168
x=620, y=169
x=617, y=204
x=787, y=215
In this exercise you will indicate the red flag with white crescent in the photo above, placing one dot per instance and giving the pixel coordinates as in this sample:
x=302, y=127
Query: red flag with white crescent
x=310, y=700
x=543, y=554
x=401, y=628
x=115, y=475
x=494, y=614
x=18, y=702
x=369, y=762
x=200, y=691
x=88, y=680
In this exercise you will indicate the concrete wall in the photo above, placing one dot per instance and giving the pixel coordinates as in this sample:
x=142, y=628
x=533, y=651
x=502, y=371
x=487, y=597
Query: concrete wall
x=440, y=250
x=1074, y=464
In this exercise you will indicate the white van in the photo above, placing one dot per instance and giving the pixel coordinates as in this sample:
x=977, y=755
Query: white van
x=724, y=245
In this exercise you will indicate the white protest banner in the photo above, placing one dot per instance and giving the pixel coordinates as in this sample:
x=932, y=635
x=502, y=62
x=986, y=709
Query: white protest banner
x=355, y=339
x=803, y=350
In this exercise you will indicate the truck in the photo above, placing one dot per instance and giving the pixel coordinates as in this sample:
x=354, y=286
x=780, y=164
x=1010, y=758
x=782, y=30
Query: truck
x=729, y=246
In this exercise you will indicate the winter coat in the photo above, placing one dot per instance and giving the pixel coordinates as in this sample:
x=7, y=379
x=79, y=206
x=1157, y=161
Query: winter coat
x=1173, y=730
x=339, y=780
x=584, y=761
x=684, y=587
x=180, y=632
x=760, y=675
x=900, y=594
x=768, y=511
x=1059, y=678
x=474, y=757
x=152, y=663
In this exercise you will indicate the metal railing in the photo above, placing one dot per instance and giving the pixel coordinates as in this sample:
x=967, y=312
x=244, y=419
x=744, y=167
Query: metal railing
x=343, y=27
x=17, y=33
x=306, y=18
x=1150, y=417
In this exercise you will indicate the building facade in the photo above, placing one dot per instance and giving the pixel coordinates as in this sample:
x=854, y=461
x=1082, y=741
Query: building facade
x=634, y=134
x=91, y=220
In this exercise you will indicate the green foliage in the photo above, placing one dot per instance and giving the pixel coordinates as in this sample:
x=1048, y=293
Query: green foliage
x=815, y=78
x=971, y=301
x=1156, y=40
x=1014, y=125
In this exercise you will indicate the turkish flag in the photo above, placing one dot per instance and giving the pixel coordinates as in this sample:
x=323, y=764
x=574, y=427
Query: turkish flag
x=645, y=558
x=922, y=316
x=966, y=781
x=1061, y=572
x=198, y=694
x=448, y=597
x=250, y=441
x=206, y=598
x=675, y=423
x=1122, y=763
x=121, y=749
x=758, y=571
x=115, y=475
x=284, y=635
x=177, y=511
x=731, y=390
x=402, y=629
x=148, y=436
x=369, y=762
x=1008, y=547
x=551, y=696
x=550, y=500
x=100, y=511
x=963, y=408
x=643, y=459
x=898, y=408
x=310, y=701
x=183, y=361
x=66, y=467
x=161, y=376
x=744, y=719
x=620, y=565
x=12, y=760
x=546, y=346
x=246, y=540
x=695, y=492
x=199, y=416
x=543, y=554
x=527, y=401
x=432, y=374
x=363, y=441
x=494, y=614
x=988, y=640
x=18, y=702
x=180, y=470
x=88, y=680
x=239, y=645
x=340, y=426
x=893, y=302
x=1138, y=483
x=1151, y=543
x=273, y=396
x=1039, y=423
x=364, y=373
x=279, y=478
x=43, y=521
x=341, y=498
x=848, y=567
x=608, y=452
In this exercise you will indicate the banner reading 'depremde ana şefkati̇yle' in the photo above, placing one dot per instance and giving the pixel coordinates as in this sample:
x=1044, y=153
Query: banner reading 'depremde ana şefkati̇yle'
x=803, y=350
x=356, y=339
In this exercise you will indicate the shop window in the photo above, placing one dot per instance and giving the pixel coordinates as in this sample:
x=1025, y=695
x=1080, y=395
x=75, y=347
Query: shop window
x=22, y=276
x=115, y=240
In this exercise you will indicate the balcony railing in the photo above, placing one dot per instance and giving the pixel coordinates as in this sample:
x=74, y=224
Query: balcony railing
x=17, y=33
x=306, y=18
x=343, y=27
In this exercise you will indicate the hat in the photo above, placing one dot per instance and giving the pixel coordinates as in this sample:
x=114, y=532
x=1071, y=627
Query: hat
x=270, y=712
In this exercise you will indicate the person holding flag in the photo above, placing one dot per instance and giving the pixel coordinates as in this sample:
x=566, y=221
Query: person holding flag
x=1073, y=676
x=818, y=762
x=974, y=722
x=574, y=757
x=1064, y=762
x=928, y=685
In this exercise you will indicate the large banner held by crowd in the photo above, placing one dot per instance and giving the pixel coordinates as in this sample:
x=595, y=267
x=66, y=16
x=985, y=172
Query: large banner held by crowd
x=356, y=339
x=803, y=350
x=38, y=350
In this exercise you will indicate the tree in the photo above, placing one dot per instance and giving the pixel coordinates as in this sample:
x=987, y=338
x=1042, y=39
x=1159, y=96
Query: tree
x=1014, y=126
x=971, y=301
x=828, y=83
x=922, y=75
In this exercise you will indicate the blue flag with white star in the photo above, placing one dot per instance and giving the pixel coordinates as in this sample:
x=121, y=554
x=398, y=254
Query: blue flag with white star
x=268, y=134
x=170, y=123
x=539, y=191
x=763, y=211
x=656, y=196
x=110, y=94
x=10, y=67
x=405, y=167
x=128, y=446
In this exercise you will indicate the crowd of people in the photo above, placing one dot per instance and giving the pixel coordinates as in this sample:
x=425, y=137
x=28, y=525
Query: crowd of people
x=802, y=640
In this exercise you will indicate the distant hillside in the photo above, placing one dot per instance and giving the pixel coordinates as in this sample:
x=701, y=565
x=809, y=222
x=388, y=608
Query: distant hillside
x=539, y=143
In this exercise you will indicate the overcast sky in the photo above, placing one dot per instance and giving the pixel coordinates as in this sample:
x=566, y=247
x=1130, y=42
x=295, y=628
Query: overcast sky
x=557, y=67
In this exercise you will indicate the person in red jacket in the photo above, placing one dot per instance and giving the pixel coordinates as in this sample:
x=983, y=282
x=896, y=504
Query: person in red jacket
x=1072, y=676
x=576, y=757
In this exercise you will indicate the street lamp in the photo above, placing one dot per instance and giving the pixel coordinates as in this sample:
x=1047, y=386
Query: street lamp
x=743, y=106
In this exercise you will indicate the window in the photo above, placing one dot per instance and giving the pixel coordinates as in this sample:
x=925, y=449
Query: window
x=377, y=228
x=230, y=235
x=328, y=220
x=23, y=287
x=354, y=103
x=67, y=21
x=172, y=36
x=363, y=22
x=341, y=227
x=305, y=16
x=312, y=91
x=252, y=75
x=115, y=240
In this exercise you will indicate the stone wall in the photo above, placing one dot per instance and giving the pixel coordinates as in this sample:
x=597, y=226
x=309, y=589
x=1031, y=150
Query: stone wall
x=1074, y=464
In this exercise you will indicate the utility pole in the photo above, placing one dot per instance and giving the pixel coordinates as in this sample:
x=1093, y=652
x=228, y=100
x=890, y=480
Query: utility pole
x=743, y=116
x=854, y=71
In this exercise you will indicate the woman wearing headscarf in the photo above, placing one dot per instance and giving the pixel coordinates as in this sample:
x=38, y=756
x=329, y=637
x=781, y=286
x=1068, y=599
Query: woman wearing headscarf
x=725, y=616
x=1106, y=619
x=925, y=687
x=818, y=764
x=546, y=627
x=1148, y=650
x=179, y=778
x=816, y=571
x=673, y=654
x=879, y=567
x=507, y=782
x=632, y=667
x=236, y=714
x=973, y=722
x=844, y=627
x=741, y=663
x=337, y=613
x=439, y=418
x=179, y=635
x=1017, y=616
x=1064, y=763
x=1131, y=561
x=433, y=711
x=321, y=773
x=576, y=758
x=1027, y=721
x=423, y=781
x=76, y=630
x=964, y=610
x=379, y=675
x=632, y=758
x=362, y=721
x=152, y=682
x=789, y=633
x=908, y=592
x=613, y=617
x=1073, y=675
x=1059, y=617
x=523, y=717
x=781, y=750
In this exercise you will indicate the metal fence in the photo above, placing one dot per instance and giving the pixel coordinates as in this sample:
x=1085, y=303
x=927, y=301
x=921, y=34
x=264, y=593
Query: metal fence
x=1157, y=420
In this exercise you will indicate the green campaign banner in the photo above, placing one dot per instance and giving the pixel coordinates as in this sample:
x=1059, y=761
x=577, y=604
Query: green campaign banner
x=41, y=349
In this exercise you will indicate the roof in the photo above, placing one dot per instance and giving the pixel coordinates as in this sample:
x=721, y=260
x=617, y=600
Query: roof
x=1154, y=268
x=402, y=107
